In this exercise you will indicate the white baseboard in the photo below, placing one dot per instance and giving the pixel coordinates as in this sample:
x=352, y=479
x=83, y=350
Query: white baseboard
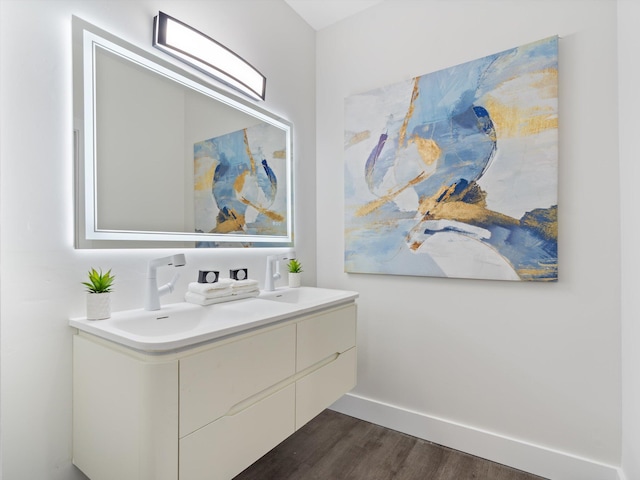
x=536, y=459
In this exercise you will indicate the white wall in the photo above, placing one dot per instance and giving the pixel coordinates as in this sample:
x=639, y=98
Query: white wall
x=629, y=123
x=41, y=272
x=525, y=373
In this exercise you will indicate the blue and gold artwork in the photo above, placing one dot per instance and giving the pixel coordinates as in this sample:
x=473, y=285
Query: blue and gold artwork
x=240, y=183
x=454, y=173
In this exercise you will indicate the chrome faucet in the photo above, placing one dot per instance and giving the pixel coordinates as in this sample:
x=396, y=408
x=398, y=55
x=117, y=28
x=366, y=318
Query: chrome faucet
x=273, y=269
x=153, y=292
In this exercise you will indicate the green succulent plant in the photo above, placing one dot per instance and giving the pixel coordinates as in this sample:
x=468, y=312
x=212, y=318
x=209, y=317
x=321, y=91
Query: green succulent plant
x=294, y=266
x=99, y=282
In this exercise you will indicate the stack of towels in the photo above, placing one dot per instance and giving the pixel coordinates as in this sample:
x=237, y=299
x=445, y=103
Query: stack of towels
x=223, y=290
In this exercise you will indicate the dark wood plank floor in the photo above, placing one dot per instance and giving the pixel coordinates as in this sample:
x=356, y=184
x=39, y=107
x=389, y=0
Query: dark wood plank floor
x=334, y=446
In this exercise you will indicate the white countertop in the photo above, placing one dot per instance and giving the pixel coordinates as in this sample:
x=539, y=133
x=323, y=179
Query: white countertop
x=179, y=325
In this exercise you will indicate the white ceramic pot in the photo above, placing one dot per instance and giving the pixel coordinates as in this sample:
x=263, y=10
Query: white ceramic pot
x=294, y=279
x=98, y=306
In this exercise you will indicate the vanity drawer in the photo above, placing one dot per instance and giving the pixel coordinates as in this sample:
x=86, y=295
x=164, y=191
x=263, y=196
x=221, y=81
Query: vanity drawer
x=227, y=446
x=319, y=389
x=325, y=334
x=212, y=382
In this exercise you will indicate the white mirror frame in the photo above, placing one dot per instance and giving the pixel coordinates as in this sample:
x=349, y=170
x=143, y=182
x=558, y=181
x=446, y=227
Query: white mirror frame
x=86, y=192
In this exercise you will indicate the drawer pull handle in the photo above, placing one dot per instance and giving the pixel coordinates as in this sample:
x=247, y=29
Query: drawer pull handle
x=246, y=403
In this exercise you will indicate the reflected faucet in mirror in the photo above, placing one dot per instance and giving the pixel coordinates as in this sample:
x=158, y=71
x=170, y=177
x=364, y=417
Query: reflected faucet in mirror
x=153, y=292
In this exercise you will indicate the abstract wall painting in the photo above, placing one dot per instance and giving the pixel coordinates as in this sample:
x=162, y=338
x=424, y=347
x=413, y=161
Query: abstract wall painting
x=454, y=173
x=241, y=184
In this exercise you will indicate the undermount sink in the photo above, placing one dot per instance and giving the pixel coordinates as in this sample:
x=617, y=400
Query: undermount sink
x=169, y=321
x=180, y=325
x=306, y=296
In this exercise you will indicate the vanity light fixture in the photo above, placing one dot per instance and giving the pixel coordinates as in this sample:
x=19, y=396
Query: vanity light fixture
x=205, y=54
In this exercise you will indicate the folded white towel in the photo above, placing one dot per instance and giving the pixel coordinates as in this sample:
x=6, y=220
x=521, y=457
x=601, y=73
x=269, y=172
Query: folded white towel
x=209, y=288
x=198, y=299
x=247, y=289
x=222, y=292
x=237, y=284
x=246, y=294
x=241, y=287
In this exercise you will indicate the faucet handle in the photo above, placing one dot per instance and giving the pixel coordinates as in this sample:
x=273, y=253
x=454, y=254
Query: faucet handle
x=173, y=281
x=168, y=287
x=276, y=275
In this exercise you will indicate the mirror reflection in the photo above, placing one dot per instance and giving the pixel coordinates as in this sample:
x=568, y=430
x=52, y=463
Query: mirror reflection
x=167, y=158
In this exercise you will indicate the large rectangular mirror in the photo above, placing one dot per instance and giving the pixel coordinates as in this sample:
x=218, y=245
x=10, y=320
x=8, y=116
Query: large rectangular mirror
x=165, y=159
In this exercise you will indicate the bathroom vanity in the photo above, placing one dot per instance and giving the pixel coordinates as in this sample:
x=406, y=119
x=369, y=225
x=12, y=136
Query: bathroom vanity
x=156, y=402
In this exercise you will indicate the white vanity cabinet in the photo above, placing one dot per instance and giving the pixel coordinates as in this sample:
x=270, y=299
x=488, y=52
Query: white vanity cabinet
x=209, y=411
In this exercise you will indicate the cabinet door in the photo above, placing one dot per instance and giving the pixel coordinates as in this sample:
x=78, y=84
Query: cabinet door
x=227, y=446
x=319, y=389
x=326, y=334
x=214, y=381
x=125, y=414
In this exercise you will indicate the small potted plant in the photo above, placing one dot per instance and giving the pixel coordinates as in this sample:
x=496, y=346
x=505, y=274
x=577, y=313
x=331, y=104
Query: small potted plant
x=99, y=294
x=295, y=272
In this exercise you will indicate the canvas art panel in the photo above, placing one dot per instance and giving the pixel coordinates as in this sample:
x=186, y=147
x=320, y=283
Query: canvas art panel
x=240, y=183
x=454, y=173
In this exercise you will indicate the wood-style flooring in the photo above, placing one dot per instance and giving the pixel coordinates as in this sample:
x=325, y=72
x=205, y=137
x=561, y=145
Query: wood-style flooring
x=334, y=446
